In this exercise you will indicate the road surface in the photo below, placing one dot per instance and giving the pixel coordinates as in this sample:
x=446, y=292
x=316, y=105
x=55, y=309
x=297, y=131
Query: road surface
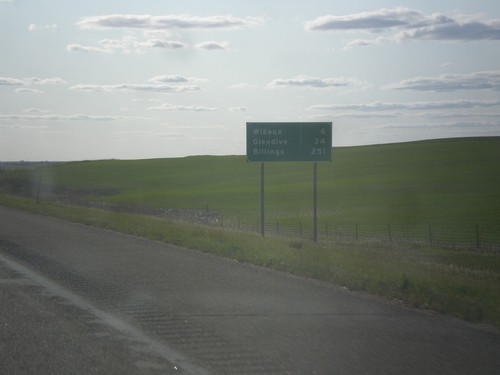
x=81, y=300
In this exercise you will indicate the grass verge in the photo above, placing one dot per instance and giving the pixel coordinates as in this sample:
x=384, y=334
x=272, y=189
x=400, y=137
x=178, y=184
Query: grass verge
x=459, y=283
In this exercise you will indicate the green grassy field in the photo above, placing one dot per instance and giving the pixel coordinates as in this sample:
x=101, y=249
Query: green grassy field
x=444, y=181
x=453, y=184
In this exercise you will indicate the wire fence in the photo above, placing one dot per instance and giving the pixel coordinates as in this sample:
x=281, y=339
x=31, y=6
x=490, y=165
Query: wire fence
x=469, y=236
x=482, y=237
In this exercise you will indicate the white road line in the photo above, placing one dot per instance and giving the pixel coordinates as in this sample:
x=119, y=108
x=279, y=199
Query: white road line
x=165, y=351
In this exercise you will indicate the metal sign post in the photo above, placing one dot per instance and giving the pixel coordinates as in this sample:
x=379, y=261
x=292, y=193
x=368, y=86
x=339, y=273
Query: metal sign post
x=315, y=204
x=262, y=226
x=292, y=141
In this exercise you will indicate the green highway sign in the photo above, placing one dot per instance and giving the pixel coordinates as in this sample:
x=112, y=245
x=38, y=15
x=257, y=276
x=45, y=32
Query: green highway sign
x=289, y=141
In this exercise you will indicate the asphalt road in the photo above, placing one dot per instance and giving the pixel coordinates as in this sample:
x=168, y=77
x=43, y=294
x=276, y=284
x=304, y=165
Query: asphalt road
x=80, y=300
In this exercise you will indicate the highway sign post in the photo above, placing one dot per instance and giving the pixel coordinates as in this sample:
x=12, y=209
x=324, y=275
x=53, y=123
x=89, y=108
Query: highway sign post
x=289, y=141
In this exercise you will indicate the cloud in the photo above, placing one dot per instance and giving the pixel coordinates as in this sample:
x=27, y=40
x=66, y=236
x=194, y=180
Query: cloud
x=34, y=27
x=26, y=90
x=35, y=110
x=307, y=82
x=130, y=44
x=489, y=80
x=165, y=44
x=464, y=28
x=33, y=81
x=174, y=78
x=237, y=109
x=136, y=87
x=360, y=115
x=175, y=107
x=370, y=21
x=166, y=22
x=44, y=81
x=158, y=34
x=162, y=83
x=127, y=45
x=407, y=24
x=466, y=114
x=156, y=30
x=7, y=81
x=86, y=49
x=61, y=117
x=381, y=106
x=213, y=46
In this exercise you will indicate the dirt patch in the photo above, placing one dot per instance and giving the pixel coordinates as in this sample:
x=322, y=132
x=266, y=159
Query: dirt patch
x=198, y=216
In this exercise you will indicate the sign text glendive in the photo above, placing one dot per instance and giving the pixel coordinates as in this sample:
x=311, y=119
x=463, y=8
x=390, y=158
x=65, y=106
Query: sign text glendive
x=289, y=141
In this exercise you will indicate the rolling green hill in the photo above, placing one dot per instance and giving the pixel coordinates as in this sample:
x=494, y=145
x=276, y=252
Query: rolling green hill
x=448, y=182
x=455, y=180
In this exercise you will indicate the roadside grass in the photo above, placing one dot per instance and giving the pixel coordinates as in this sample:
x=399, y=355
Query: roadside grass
x=460, y=283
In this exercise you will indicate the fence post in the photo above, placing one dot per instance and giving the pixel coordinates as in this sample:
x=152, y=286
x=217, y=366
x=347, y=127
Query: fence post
x=477, y=236
x=430, y=235
x=39, y=187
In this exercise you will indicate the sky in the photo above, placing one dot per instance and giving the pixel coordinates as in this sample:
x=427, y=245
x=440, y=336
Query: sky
x=129, y=79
